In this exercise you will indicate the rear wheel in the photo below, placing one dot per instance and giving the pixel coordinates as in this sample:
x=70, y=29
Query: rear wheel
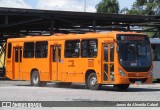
x=35, y=79
x=92, y=82
x=122, y=87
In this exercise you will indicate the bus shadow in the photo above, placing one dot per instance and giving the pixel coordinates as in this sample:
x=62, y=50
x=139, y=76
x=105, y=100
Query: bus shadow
x=103, y=88
x=131, y=89
x=106, y=88
x=143, y=90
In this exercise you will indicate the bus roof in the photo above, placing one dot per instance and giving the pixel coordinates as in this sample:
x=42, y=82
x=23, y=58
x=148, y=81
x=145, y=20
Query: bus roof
x=72, y=36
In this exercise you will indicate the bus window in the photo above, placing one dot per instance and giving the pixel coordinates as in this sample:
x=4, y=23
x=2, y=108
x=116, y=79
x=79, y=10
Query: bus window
x=89, y=48
x=106, y=53
x=41, y=49
x=111, y=52
x=72, y=49
x=28, y=50
x=9, y=50
x=54, y=54
x=156, y=52
x=59, y=54
x=16, y=55
x=20, y=54
x=54, y=59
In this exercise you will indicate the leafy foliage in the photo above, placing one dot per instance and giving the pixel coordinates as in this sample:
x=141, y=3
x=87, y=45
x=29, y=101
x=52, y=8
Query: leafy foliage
x=144, y=7
x=108, y=6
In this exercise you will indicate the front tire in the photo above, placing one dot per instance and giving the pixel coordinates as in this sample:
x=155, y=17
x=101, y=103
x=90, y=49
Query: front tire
x=92, y=82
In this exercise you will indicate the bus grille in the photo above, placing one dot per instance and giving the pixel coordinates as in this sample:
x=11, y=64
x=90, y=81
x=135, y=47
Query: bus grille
x=137, y=74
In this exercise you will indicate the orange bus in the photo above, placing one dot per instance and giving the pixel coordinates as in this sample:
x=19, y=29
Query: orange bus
x=113, y=58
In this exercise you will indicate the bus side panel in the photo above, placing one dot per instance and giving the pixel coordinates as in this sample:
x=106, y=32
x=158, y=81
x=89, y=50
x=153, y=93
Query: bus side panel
x=9, y=71
x=43, y=68
x=74, y=69
x=40, y=64
x=8, y=63
x=27, y=67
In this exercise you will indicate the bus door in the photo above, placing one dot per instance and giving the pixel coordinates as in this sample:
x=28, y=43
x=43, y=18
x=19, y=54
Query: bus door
x=108, y=62
x=55, y=62
x=17, y=61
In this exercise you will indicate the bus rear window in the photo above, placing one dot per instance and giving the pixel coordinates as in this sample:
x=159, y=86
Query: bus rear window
x=9, y=50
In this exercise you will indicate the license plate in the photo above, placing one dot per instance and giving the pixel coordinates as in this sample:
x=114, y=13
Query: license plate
x=138, y=82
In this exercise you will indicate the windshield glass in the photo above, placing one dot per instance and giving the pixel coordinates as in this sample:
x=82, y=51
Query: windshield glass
x=134, y=54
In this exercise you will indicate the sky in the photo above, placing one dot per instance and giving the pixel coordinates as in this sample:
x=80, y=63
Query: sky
x=63, y=5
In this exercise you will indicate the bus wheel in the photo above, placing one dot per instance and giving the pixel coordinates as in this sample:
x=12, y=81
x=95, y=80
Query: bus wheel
x=35, y=79
x=122, y=87
x=92, y=82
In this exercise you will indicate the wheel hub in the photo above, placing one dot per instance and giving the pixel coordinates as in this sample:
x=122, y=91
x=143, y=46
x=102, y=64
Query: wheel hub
x=35, y=80
x=93, y=81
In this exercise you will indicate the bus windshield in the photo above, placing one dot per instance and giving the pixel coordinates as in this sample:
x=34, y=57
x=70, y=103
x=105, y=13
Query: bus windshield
x=135, y=54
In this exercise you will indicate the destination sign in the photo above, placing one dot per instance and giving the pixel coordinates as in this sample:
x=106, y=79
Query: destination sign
x=134, y=37
x=131, y=38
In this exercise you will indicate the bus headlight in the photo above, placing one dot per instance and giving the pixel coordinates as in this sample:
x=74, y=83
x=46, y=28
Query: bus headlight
x=151, y=73
x=121, y=72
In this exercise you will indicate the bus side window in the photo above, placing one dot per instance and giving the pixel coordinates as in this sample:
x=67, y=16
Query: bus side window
x=112, y=52
x=54, y=54
x=28, y=50
x=41, y=49
x=106, y=53
x=156, y=52
x=16, y=55
x=9, y=50
x=72, y=48
x=89, y=48
x=59, y=54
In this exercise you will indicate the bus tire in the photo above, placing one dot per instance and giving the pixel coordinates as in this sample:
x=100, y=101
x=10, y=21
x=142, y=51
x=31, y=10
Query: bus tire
x=92, y=82
x=35, y=78
x=122, y=87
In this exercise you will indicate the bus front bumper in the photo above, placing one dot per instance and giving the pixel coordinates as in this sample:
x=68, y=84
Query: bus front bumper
x=128, y=80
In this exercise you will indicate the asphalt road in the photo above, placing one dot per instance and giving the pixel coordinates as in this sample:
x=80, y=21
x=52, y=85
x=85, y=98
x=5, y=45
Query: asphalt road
x=22, y=91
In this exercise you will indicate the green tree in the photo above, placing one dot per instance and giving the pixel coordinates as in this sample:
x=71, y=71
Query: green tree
x=108, y=6
x=144, y=7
